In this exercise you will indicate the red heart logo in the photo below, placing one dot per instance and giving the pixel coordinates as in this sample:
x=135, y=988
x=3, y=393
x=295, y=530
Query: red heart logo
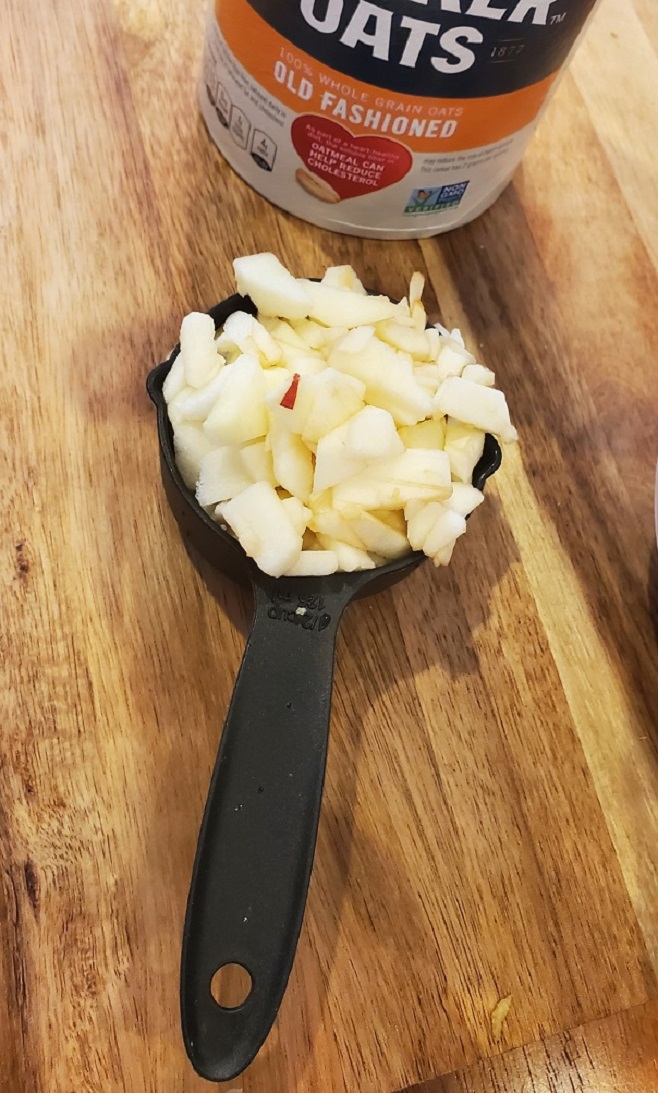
x=351, y=166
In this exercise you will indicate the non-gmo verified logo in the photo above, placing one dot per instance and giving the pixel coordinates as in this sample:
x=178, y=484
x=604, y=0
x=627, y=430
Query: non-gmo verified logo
x=436, y=199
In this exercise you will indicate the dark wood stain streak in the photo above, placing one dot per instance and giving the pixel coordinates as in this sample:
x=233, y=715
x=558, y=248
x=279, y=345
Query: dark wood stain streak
x=20, y=1069
x=22, y=560
x=32, y=886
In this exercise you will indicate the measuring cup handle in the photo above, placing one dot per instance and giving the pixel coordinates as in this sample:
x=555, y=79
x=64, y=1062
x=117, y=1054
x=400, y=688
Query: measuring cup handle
x=257, y=839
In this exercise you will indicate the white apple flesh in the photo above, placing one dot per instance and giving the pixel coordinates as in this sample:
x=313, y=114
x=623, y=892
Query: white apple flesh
x=259, y=520
x=198, y=350
x=190, y=446
x=334, y=430
x=371, y=434
x=239, y=414
x=292, y=461
x=333, y=460
x=222, y=475
x=464, y=446
x=472, y=403
x=314, y=563
x=336, y=398
x=343, y=307
x=387, y=375
x=274, y=290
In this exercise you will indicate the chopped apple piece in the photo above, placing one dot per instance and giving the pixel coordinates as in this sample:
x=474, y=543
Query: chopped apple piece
x=201, y=360
x=414, y=342
x=222, y=475
x=175, y=381
x=416, y=289
x=257, y=461
x=426, y=434
x=378, y=537
x=343, y=277
x=419, y=316
x=311, y=335
x=298, y=513
x=453, y=359
x=415, y=475
x=362, y=494
x=434, y=341
x=412, y=508
x=314, y=563
x=239, y=415
x=259, y=520
x=371, y=434
x=464, y=498
x=483, y=407
x=421, y=516
x=421, y=466
x=190, y=446
x=339, y=307
x=304, y=361
x=319, y=337
x=358, y=340
x=276, y=378
x=451, y=335
x=427, y=377
x=334, y=334
x=332, y=525
x=175, y=407
x=477, y=373
x=293, y=462
x=387, y=375
x=350, y=558
x=291, y=403
x=464, y=447
x=336, y=398
x=447, y=527
x=284, y=333
x=333, y=460
x=272, y=288
x=197, y=404
x=444, y=556
x=243, y=333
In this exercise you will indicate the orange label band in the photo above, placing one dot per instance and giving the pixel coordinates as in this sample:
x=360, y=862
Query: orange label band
x=425, y=125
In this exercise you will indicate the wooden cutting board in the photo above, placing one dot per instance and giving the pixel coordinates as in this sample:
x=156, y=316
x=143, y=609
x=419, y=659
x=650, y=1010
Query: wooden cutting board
x=490, y=828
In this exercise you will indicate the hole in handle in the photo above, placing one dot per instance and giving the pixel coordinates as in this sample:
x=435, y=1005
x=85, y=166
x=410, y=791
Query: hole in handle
x=231, y=986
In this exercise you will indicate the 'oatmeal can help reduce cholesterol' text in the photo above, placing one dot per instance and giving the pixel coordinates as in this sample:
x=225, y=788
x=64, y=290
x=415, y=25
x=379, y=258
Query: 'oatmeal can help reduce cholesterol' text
x=390, y=119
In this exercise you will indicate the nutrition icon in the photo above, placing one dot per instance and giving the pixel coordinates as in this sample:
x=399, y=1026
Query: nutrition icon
x=263, y=150
x=240, y=127
x=223, y=106
x=221, y=102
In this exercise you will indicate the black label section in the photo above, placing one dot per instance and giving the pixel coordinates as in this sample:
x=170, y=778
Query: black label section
x=438, y=48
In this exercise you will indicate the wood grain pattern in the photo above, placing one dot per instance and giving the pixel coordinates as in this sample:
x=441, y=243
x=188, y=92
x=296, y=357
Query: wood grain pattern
x=489, y=826
x=615, y=1055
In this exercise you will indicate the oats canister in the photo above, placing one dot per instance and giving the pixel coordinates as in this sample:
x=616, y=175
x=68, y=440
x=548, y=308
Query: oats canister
x=391, y=119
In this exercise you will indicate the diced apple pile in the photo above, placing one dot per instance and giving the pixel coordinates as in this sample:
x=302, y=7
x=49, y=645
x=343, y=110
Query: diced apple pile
x=336, y=431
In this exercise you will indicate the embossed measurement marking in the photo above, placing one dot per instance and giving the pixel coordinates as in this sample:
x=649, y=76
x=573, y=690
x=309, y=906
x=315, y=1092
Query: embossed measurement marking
x=302, y=610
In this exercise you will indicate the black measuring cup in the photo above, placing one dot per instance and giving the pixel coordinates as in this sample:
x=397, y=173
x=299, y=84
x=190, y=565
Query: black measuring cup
x=257, y=840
